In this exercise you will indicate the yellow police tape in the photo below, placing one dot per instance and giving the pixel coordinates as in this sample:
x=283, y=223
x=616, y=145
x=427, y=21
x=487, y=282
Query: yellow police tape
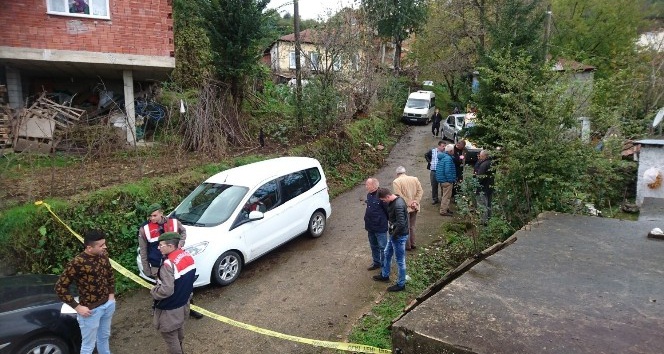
x=358, y=348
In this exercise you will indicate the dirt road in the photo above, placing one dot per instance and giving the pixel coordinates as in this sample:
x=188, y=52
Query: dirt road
x=312, y=288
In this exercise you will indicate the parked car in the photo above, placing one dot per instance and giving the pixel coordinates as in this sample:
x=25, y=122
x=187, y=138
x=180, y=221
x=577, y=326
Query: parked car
x=242, y=213
x=453, y=125
x=419, y=107
x=33, y=319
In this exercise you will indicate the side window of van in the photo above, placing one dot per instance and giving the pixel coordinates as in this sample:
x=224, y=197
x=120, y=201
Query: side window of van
x=314, y=176
x=294, y=184
x=433, y=102
x=264, y=199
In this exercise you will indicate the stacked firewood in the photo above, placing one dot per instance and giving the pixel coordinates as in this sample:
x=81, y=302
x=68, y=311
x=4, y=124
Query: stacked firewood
x=5, y=122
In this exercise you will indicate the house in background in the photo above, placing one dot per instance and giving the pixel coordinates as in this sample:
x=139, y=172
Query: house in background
x=579, y=79
x=75, y=45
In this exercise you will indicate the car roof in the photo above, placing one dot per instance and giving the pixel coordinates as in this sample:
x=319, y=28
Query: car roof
x=251, y=174
x=26, y=291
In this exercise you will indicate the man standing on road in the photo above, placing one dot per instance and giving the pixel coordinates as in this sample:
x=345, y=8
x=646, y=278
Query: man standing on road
x=410, y=189
x=375, y=222
x=92, y=273
x=435, y=122
x=459, y=162
x=396, y=243
x=148, y=235
x=432, y=160
x=484, y=191
x=171, y=294
x=446, y=176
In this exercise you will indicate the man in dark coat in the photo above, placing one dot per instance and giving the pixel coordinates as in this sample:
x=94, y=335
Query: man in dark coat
x=397, y=212
x=435, y=122
x=484, y=192
x=375, y=222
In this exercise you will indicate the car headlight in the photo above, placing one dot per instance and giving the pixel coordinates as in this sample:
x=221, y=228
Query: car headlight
x=197, y=248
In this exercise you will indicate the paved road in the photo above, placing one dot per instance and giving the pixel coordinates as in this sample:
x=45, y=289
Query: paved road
x=313, y=288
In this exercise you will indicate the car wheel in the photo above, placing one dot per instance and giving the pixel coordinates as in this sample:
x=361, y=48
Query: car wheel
x=46, y=345
x=317, y=224
x=227, y=268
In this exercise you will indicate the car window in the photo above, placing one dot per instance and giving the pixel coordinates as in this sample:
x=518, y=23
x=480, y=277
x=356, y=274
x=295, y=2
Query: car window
x=210, y=204
x=294, y=184
x=450, y=120
x=459, y=121
x=314, y=176
x=264, y=199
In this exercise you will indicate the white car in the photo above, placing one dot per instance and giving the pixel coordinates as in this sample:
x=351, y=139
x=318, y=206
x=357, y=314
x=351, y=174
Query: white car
x=454, y=123
x=242, y=213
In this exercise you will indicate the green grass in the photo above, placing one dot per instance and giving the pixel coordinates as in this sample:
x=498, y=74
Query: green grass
x=14, y=164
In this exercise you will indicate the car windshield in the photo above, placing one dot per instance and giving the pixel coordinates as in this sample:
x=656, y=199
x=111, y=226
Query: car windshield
x=415, y=103
x=210, y=204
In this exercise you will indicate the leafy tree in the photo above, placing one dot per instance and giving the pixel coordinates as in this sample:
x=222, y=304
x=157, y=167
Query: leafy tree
x=596, y=32
x=396, y=19
x=236, y=29
x=517, y=26
x=193, y=55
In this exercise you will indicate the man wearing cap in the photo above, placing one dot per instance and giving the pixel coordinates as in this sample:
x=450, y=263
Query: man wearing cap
x=149, y=233
x=173, y=291
x=410, y=189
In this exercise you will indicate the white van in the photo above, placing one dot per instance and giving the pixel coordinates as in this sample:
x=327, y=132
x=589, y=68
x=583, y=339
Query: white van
x=419, y=107
x=242, y=213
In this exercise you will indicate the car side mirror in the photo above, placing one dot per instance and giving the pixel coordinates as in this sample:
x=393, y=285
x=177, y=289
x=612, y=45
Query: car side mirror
x=256, y=215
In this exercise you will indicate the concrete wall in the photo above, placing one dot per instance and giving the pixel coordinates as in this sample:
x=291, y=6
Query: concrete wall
x=650, y=156
x=135, y=27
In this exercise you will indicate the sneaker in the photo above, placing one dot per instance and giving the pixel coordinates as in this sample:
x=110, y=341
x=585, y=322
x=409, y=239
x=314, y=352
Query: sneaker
x=446, y=214
x=373, y=267
x=380, y=277
x=450, y=212
x=435, y=202
x=396, y=287
x=195, y=314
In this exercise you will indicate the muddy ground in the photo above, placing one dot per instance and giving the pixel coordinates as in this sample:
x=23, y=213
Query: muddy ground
x=312, y=288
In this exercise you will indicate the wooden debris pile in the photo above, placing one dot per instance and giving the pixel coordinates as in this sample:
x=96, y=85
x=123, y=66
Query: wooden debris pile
x=42, y=125
x=5, y=122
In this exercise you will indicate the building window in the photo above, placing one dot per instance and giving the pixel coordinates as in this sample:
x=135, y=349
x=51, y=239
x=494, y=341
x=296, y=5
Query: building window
x=314, y=60
x=336, y=65
x=78, y=8
x=355, y=62
x=291, y=60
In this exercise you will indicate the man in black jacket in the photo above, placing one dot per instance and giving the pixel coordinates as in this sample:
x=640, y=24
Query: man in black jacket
x=484, y=192
x=435, y=122
x=375, y=222
x=397, y=212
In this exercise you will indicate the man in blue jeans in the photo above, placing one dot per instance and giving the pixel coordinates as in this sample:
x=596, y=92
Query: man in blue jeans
x=92, y=273
x=397, y=212
x=375, y=222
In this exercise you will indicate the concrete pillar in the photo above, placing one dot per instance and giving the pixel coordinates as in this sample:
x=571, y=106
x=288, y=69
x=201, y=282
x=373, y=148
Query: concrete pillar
x=585, y=129
x=14, y=87
x=128, y=78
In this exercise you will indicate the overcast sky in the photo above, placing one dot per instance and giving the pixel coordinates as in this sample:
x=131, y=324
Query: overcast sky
x=312, y=9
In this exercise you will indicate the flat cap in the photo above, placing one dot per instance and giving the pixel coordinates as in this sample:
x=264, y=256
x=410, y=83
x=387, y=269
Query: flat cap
x=169, y=236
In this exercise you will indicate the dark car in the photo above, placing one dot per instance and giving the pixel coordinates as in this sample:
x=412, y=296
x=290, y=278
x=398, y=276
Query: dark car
x=33, y=319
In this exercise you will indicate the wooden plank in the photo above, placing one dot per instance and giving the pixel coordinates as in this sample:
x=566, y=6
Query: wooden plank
x=37, y=128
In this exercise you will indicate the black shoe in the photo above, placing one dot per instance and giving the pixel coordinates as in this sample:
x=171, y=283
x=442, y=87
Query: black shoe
x=450, y=212
x=446, y=214
x=396, y=287
x=435, y=202
x=380, y=277
x=195, y=314
x=373, y=267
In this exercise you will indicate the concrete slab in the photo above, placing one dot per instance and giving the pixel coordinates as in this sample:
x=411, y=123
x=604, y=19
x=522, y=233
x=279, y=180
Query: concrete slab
x=571, y=284
x=652, y=209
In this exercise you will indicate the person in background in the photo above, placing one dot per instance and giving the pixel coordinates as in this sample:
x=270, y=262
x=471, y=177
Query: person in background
x=435, y=122
x=172, y=292
x=410, y=189
x=79, y=7
x=432, y=160
x=459, y=157
x=446, y=176
x=375, y=222
x=92, y=273
x=484, y=192
x=396, y=244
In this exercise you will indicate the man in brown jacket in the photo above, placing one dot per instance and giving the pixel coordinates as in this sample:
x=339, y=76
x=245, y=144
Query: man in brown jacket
x=410, y=189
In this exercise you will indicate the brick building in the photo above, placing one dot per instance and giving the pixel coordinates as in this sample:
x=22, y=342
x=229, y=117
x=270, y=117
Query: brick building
x=78, y=46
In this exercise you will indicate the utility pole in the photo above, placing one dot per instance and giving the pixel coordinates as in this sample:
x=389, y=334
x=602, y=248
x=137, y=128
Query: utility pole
x=298, y=68
x=547, y=32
